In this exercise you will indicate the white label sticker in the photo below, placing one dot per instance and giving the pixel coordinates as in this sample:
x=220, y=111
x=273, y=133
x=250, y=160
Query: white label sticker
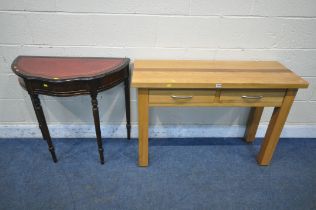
x=218, y=85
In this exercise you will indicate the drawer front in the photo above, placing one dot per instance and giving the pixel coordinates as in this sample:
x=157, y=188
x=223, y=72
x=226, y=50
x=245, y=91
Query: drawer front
x=60, y=89
x=181, y=97
x=253, y=97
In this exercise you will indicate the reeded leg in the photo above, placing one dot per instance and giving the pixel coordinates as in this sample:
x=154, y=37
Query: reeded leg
x=253, y=123
x=42, y=124
x=96, y=117
x=143, y=127
x=128, y=107
x=275, y=127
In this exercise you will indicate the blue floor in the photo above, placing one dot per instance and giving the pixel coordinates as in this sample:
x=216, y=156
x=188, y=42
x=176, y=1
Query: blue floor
x=183, y=174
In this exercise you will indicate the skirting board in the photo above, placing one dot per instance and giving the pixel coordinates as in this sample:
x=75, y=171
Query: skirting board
x=157, y=131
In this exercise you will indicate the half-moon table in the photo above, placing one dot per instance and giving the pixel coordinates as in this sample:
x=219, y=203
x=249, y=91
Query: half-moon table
x=71, y=76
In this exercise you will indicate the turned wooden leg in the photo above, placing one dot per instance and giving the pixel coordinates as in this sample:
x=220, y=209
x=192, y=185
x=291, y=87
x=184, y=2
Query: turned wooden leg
x=96, y=117
x=143, y=127
x=127, y=107
x=42, y=124
x=274, y=130
x=253, y=123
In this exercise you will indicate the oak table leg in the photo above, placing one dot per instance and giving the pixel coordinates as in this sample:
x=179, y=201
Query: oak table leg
x=96, y=117
x=253, y=123
x=127, y=107
x=143, y=110
x=42, y=124
x=274, y=130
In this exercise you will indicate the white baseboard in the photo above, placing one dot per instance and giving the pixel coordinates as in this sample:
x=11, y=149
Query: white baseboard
x=158, y=131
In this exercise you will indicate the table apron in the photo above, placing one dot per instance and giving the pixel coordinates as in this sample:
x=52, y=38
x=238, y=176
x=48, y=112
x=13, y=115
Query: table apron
x=216, y=97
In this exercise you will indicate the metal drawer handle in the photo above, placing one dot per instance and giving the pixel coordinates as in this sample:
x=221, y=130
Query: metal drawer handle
x=252, y=97
x=181, y=97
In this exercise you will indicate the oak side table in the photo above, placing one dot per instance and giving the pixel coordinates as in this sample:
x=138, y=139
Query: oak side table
x=255, y=84
x=72, y=76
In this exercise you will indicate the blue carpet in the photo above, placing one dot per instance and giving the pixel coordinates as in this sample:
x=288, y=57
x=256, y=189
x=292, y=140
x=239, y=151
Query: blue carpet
x=183, y=174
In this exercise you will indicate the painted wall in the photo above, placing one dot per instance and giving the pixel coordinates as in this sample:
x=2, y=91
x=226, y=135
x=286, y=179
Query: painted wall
x=282, y=30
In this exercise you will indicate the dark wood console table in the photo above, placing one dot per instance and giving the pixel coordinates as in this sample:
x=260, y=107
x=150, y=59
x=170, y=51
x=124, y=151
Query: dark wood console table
x=71, y=76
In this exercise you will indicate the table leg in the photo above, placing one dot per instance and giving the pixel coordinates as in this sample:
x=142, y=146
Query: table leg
x=128, y=107
x=96, y=117
x=143, y=115
x=253, y=123
x=275, y=127
x=42, y=124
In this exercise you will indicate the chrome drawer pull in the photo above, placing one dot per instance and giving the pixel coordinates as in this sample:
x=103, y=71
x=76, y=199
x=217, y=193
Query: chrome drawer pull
x=252, y=97
x=181, y=97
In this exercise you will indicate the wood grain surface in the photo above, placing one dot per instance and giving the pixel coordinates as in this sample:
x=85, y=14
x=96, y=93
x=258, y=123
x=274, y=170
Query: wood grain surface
x=213, y=74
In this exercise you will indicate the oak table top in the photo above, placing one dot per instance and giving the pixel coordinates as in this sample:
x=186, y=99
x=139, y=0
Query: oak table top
x=213, y=74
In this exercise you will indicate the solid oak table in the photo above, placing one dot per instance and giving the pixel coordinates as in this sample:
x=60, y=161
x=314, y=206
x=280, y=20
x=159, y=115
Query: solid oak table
x=255, y=84
x=71, y=76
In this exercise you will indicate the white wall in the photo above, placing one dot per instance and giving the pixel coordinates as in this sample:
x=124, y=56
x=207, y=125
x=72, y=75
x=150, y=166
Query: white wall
x=283, y=30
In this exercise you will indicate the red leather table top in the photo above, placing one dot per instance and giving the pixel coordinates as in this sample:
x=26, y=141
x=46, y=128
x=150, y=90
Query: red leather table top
x=65, y=67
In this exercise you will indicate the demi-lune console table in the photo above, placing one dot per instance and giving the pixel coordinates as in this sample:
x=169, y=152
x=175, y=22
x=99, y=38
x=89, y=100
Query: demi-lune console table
x=255, y=84
x=72, y=76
